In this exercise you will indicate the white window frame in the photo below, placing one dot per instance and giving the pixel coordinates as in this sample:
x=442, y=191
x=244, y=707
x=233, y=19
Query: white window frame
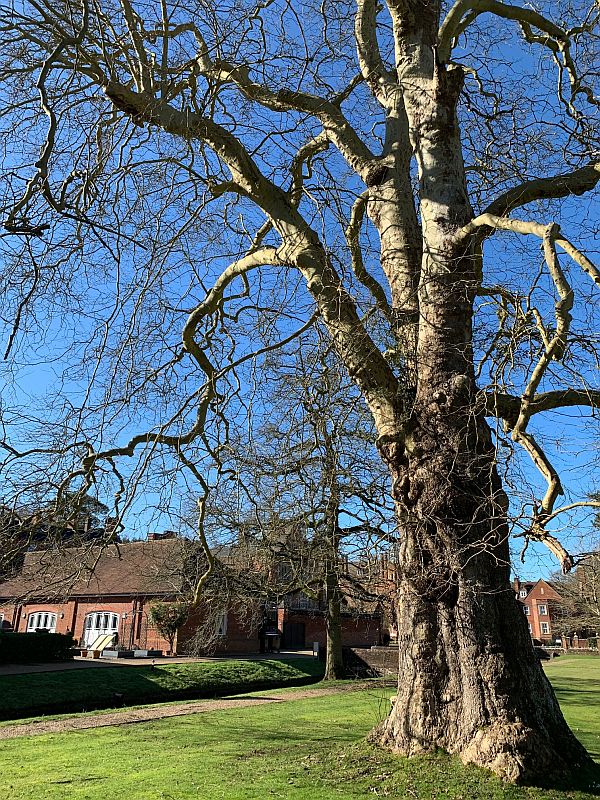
x=41, y=621
x=526, y=610
x=545, y=625
x=523, y=593
x=543, y=610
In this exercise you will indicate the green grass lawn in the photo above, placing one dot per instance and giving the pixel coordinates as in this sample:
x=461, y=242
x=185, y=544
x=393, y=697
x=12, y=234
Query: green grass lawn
x=88, y=689
x=576, y=680
x=302, y=749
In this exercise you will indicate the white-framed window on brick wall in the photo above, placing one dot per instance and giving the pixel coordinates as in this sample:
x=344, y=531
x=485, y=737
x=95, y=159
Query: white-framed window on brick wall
x=99, y=623
x=542, y=610
x=526, y=610
x=544, y=628
x=41, y=621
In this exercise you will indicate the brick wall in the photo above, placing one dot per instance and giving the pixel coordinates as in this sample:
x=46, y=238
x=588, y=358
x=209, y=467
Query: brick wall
x=357, y=631
x=241, y=637
x=134, y=627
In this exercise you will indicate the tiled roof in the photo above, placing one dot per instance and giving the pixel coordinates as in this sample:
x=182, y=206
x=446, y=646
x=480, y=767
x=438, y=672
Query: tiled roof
x=131, y=568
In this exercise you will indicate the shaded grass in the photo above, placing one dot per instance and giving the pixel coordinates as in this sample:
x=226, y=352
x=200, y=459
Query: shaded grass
x=88, y=689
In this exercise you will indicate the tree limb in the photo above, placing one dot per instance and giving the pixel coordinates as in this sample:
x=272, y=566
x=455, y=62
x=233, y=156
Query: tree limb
x=569, y=183
x=353, y=238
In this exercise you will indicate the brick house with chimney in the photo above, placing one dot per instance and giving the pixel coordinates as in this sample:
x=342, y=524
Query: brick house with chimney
x=90, y=591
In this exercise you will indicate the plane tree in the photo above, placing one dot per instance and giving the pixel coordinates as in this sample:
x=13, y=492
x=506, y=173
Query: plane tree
x=187, y=187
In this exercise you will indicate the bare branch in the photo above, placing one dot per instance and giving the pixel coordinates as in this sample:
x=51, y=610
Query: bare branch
x=353, y=239
x=379, y=79
x=570, y=183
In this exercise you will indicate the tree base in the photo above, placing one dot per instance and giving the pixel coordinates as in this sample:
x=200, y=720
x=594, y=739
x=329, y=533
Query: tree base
x=514, y=752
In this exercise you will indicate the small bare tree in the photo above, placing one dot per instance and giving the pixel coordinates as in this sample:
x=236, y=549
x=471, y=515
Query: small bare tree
x=307, y=491
x=579, y=607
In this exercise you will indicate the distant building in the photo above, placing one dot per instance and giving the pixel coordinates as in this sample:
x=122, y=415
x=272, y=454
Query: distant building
x=538, y=600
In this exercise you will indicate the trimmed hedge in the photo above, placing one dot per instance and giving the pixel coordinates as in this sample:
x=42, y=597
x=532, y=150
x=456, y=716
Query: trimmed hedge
x=35, y=648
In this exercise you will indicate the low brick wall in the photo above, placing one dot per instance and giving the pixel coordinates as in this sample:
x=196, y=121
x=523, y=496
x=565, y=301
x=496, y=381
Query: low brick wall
x=371, y=662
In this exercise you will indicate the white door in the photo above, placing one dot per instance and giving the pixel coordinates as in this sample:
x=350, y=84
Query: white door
x=98, y=623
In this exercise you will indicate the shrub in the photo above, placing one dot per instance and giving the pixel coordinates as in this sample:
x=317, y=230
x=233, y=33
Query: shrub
x=168, y=618
x=27, y=648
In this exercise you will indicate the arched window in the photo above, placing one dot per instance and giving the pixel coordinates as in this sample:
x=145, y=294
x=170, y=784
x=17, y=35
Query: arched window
x=98, y=623
x=41, y=621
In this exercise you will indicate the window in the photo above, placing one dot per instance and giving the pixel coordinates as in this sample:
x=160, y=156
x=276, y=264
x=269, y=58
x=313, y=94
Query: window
x=526, y=610
x=545, y=628
x=523, y=593
x=542, y=610
x=41, y=621
x=529, y=626
x=222, y=625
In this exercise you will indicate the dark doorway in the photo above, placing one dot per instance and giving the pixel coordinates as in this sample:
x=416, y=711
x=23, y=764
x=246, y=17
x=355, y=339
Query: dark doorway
x=293, y=635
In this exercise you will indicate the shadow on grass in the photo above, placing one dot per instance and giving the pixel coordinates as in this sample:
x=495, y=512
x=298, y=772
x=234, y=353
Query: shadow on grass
x=582, y=780
x=78, y=691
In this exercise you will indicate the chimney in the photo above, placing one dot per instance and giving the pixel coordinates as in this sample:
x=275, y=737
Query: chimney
x=157, y=537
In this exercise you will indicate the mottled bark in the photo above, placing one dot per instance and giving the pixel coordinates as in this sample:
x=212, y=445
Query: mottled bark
x=469, y=681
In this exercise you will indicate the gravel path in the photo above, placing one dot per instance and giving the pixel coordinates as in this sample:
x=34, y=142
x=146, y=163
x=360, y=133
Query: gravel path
x=128, y=717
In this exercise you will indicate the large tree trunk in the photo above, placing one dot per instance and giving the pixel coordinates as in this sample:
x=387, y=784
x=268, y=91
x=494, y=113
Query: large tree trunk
x=469, y=681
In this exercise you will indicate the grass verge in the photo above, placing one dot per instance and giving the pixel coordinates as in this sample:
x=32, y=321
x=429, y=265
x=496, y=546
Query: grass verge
x=311, y=748
x=90, y=689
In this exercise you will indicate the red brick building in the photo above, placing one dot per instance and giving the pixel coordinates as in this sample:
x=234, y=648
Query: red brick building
x=89, y=591
x=539, y=599
x=93, y=591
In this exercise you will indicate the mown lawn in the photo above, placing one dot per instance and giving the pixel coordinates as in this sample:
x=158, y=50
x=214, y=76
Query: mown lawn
x=105, y=687
x=301, y=749
x=576, y=680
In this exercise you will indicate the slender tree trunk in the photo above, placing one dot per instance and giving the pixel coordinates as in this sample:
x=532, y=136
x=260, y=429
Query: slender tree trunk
x=334, y=660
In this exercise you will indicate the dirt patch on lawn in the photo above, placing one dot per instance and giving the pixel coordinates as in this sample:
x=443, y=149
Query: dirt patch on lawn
x=132, y=716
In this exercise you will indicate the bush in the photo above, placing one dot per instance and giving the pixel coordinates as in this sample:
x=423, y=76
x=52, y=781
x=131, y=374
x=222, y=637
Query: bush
x=29, y=648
